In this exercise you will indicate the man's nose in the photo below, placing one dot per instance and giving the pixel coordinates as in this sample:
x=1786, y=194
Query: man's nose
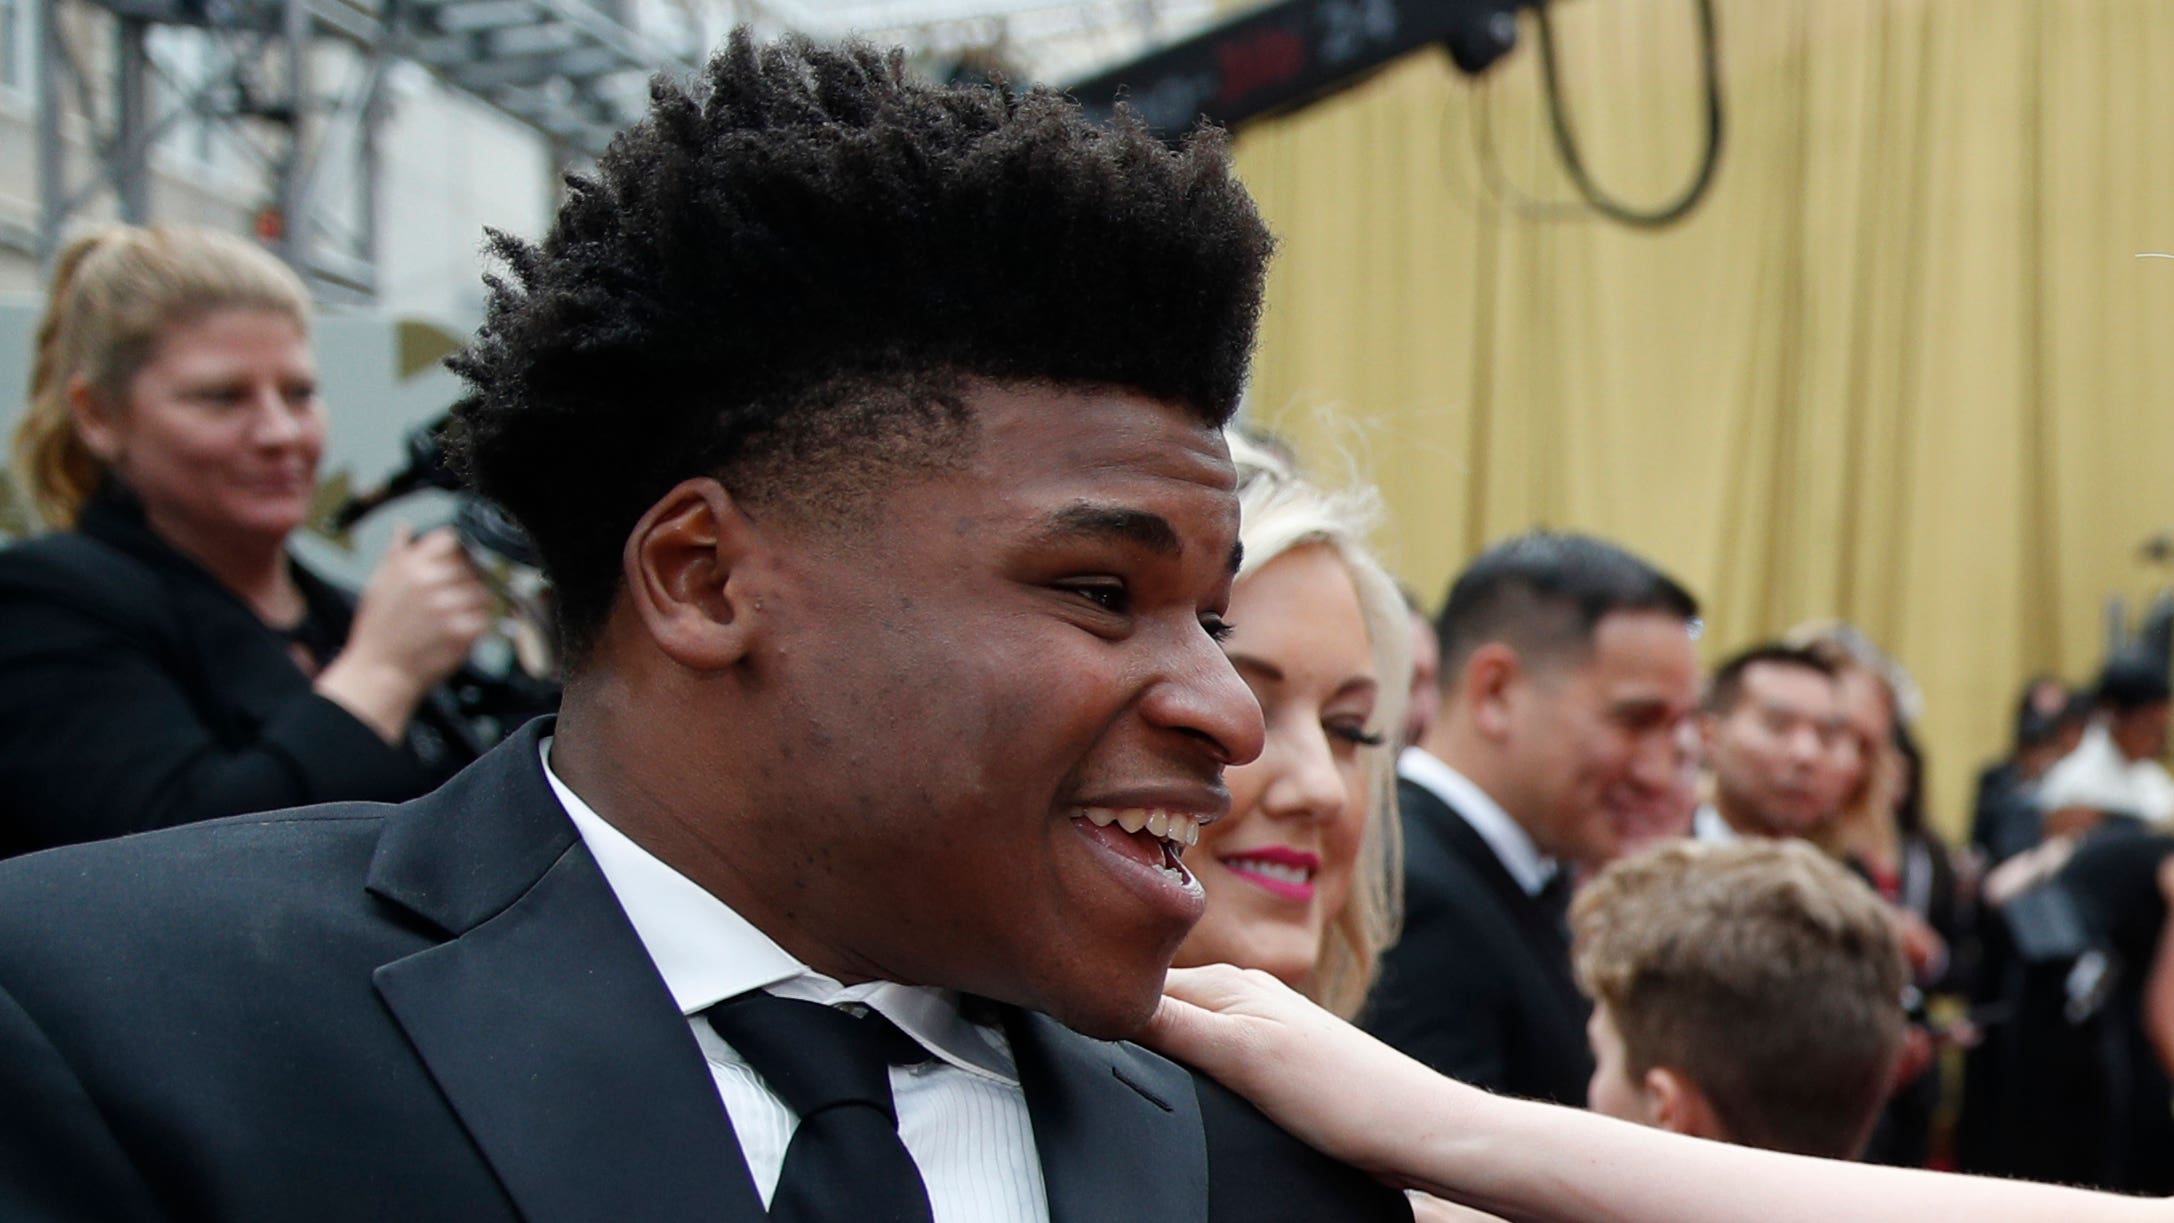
x=1805, y=747
x=1201, y=694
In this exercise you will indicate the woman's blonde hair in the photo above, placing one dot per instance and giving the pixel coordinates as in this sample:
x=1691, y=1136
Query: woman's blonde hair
x=115, y=291
x=1280, y=511
x=1869, y=808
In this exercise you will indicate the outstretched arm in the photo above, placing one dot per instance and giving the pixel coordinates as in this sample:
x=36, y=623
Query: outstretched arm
x=1368, y=1105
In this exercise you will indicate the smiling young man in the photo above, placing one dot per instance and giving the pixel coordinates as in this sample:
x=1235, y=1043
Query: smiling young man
x=1567, y=670
x=870, y=432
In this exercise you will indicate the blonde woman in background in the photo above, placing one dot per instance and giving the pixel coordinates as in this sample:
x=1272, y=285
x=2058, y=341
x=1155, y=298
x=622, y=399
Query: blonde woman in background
x=162, y=658
x=1302, y=875
x=1880, y=832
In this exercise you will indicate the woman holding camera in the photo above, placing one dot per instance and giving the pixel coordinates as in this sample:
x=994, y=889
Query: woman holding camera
x=162, y=658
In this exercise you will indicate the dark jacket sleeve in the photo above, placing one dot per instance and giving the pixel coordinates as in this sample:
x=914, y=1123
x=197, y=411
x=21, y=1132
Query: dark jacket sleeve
x=110, y=723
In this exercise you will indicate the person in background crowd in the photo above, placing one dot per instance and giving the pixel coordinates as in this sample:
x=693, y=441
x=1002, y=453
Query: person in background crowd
x=1302, y=876
x=1749, y=992
x=1567, y=671
x=1880, y=827
x=162, y=657
x=2049, y=724
x=2122, y=879
x=1770, y=720
x=1881, y=833
x=1363, y=1102
x=893, y=532
x=1425, y=702
x=2014, y=1082
x=2067, y=1085
x=2079, y=1083
x=2115, y=771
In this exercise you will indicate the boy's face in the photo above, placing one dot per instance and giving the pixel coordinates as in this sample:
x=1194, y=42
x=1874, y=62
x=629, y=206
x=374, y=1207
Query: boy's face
x=970, y=687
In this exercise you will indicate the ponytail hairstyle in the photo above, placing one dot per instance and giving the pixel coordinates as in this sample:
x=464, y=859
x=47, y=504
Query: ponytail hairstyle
x=1279, y=511
x=115, y=292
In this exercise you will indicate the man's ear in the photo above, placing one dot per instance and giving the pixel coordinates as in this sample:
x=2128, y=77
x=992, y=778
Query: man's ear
x=1675, y=1103
x=691, y=567
x=1485, y=686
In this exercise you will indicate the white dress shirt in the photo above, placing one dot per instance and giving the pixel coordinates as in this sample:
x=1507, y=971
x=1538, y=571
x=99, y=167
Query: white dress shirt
x=962, y=1116
x=1512, y=844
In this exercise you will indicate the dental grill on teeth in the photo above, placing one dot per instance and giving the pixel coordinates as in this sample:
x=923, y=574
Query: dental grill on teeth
x=1166, y=825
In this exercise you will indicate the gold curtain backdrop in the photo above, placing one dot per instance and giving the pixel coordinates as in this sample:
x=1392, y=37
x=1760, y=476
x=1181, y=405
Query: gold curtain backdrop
x=1903, y=365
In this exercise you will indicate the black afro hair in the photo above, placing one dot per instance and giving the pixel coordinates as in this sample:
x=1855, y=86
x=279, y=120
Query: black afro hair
x=800, y=261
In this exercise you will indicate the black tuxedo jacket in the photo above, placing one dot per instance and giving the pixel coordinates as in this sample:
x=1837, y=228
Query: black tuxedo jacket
x=438, y=1011
x=1479, y=985
x=136, y=692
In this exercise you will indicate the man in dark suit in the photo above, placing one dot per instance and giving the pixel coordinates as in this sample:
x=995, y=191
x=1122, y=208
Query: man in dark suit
x=1567, y=667
x=870, y=432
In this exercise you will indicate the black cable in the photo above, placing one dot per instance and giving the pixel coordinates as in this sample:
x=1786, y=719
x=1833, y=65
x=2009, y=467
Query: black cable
x=1500, y=189
x=1567, y=145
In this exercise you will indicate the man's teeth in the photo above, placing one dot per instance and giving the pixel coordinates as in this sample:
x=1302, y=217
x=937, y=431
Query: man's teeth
x=1271, y=870
x=1167, y=825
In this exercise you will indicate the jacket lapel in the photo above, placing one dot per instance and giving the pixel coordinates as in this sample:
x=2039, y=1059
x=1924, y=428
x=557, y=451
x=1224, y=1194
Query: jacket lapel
x=1117, y=1129
x=1544, y=936
x=541, y=1017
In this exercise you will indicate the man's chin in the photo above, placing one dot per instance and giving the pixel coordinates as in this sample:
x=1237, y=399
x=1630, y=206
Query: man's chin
x=1112, y=1014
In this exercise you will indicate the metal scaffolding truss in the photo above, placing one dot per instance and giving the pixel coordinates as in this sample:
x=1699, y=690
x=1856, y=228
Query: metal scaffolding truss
x=296, y=89
x=1039, y=40
x=575, y=71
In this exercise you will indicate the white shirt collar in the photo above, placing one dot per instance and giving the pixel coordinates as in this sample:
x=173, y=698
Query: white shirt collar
x=1511, y=843
x=706, y=952
x=1709, y=825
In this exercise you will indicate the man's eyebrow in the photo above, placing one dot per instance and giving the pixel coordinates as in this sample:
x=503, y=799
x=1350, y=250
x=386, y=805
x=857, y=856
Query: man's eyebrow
x=1791, y=709
x=1640, y=706
x=1145, y=528
x=1135, y=526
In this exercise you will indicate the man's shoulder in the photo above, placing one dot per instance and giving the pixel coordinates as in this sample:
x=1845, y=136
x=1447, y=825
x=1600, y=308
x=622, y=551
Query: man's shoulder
x=293, y=834
x=1098, y=1105
x=1256, y=1171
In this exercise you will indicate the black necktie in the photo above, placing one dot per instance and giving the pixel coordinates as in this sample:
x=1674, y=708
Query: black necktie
x=1554, y=899
x=845, y=1163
